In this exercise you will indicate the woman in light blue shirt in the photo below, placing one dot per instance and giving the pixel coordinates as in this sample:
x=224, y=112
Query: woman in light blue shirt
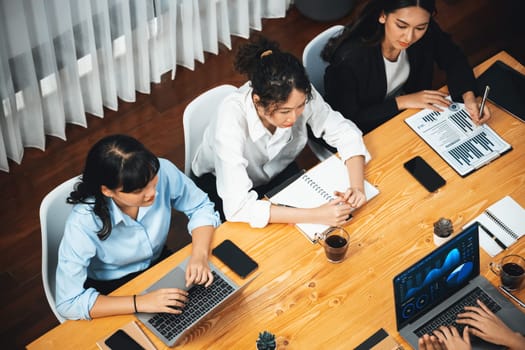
x=118, y=228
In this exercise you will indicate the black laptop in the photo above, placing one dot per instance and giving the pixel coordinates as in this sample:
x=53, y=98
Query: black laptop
x=507, y=88
x=448, y=279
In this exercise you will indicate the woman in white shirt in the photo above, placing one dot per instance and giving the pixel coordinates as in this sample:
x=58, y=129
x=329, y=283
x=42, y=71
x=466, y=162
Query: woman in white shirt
x=261, y=129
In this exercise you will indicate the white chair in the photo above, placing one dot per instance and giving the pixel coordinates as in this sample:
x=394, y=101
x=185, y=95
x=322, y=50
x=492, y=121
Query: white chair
x=315, y=67
x=196, y=117
x=312, y=61
x=54, y=211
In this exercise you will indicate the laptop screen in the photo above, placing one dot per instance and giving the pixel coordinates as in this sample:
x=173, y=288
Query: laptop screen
x=437, y=276
x=507, y=88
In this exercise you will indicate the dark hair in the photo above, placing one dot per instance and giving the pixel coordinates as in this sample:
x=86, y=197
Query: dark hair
x=366, y=26
x=272, y=73
x=114, y=161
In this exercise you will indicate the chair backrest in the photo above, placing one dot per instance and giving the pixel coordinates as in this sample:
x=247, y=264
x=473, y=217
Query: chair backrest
x=197, y=115
x=312, y=61
x=54, y=211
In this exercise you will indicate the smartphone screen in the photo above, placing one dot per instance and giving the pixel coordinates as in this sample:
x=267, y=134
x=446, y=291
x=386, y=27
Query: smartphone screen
x=121, y=340
x=237, y=260
x=424, y=173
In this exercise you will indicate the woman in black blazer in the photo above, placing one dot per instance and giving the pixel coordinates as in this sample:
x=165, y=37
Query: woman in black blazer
x=383, y=63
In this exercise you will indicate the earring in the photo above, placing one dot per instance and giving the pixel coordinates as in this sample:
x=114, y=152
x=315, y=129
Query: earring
x=382, y=19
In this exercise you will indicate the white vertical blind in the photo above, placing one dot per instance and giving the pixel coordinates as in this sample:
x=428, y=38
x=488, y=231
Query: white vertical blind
x=61, y=59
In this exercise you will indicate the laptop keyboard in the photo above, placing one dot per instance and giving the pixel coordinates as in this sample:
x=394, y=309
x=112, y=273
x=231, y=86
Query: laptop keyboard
x=200, y=301
x=448, y=317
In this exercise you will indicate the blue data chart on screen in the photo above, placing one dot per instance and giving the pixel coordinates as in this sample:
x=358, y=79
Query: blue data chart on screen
x=436, y=277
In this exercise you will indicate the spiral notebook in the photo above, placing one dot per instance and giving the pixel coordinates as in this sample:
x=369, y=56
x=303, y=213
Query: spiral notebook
x=380, y=340
x=316, y=187
x=500, y=225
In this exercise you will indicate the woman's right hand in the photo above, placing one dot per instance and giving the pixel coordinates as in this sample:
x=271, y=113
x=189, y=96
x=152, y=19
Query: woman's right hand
x=431, y=99
x=334, y=213
x=168, y=300
x=489, y=327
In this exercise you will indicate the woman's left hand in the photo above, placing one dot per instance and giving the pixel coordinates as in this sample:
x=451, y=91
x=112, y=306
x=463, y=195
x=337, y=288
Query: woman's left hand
x=450, y=337
x=430, y=342
x=198, y=271
x=354, y=196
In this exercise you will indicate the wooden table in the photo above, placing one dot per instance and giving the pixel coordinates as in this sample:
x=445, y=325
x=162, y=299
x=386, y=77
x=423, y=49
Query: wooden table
x=310, y=303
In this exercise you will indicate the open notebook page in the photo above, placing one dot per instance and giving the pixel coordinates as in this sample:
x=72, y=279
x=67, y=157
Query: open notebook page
x=316, y=187
x=501, y=225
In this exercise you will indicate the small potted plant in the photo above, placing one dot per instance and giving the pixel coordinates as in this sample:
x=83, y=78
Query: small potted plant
x=442, y=231
x=266, y=341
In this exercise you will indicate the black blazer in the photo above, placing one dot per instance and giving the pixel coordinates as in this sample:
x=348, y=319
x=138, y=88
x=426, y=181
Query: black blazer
x=355, y=80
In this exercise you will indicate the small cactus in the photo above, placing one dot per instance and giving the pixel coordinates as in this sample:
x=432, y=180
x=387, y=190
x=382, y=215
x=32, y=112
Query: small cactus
x=266, y=341
x=443, y=227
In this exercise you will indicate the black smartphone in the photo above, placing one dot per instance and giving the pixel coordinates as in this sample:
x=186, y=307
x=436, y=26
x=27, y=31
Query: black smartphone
x=121, y=340
x=236, y=259
x=424, y=173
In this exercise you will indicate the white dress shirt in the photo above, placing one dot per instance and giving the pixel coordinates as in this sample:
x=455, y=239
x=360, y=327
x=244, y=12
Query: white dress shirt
x=396, y=73
x=243, y=154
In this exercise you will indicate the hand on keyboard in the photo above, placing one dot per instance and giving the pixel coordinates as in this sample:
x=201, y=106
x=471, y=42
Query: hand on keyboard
x=198, y=270
x=479, y=321
x=200, y=300
x=450, y=337
x=430, y=342
x=169, y=300
x=445, y=338
x=486, y=325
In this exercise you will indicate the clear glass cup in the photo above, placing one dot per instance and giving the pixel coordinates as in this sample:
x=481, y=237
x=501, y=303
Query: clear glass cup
x=336, y=243
x=511, y=270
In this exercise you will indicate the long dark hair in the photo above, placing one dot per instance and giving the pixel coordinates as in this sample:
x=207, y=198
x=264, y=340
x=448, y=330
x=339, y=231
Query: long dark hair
x=114, y=161
x=272, y=73
x=366, y=27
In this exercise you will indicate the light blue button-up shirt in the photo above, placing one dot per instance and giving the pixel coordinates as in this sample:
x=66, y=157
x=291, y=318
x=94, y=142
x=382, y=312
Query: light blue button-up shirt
x=132, y=245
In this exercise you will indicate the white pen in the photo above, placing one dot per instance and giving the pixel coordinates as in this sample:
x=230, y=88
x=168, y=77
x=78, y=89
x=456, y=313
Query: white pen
x=483, y=100
x=512, y=296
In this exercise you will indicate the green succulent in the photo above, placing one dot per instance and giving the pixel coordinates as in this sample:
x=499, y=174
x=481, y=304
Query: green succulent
x=266, y=341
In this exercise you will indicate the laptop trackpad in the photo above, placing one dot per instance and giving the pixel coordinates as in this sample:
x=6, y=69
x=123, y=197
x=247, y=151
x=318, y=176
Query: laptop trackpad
x=174, y=279
x=478, y=343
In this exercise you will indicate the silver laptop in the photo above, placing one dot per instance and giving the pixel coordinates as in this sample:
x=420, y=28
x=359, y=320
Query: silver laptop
x=448, y=278
x=171, y=328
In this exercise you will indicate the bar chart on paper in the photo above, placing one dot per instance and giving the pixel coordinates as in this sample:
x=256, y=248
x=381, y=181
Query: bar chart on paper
x=452, y=134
